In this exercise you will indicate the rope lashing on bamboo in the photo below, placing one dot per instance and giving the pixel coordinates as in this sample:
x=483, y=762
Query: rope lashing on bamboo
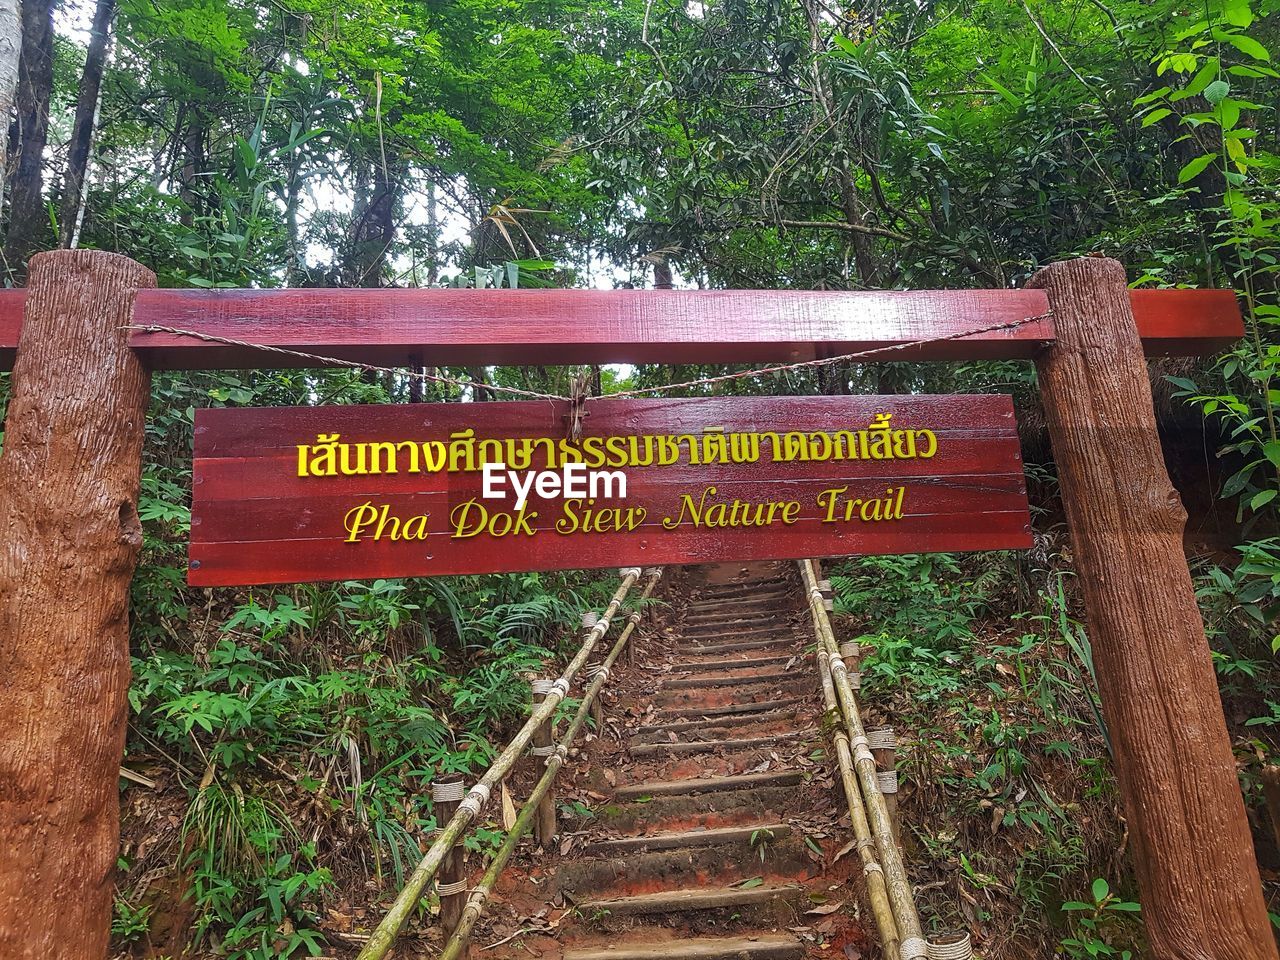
x=887, y=780
x=449, y=889
x=480, y=894
x=914, y=948
x=383, y=937
x=407, y=373
x=899, y=887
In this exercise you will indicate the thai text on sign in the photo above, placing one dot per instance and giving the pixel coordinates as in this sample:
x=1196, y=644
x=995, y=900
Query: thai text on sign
x=351, y=492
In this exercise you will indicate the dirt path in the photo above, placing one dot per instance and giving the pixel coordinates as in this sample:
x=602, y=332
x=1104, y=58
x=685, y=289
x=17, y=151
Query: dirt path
x=703, y=819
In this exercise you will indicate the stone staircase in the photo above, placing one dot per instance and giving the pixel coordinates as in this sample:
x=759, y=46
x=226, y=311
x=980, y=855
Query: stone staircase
x=719, y=835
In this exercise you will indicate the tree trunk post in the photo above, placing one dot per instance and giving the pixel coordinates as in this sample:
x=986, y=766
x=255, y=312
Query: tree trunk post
x=451, y=884
x=884, y=748
x=543, y=747
x=1197, y=876
x=70, y=537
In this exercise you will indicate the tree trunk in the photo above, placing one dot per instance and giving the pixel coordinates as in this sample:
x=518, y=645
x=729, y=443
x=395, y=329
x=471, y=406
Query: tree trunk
x=10, y=52
x=1197, y=876
x=373, y=228
x=28, y=222
x=69, y=540
x=76, y=181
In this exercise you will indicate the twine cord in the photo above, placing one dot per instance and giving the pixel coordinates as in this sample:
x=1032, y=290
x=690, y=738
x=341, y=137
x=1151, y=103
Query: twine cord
x=324, y=361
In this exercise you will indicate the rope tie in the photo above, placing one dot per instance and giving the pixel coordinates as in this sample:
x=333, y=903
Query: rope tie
x=540, y=688
x=449, y=791
x=563, y=686
x=653, y=572
x=887, y=781
x=475, y=799
x=625, y=572
x=634, y=619
x=866, y=843
x=546, y=751
x=451, y=889
x=960, y=949
x=602, y=674
x=882, y=738
x=872, y=866
x=860, y=753
x=589, y=619
x=913, y=948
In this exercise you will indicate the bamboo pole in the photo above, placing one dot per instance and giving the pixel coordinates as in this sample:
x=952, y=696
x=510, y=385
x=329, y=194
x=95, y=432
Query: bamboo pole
x=913, y=946
x=871, y=868
x=460, y=938
x=384, y=936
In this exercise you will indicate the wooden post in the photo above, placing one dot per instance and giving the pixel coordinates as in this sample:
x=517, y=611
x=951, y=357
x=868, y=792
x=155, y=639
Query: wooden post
x=1197, y=876
x=69, y=541
x=451, y=882
x=543, y=747
x=884, y=747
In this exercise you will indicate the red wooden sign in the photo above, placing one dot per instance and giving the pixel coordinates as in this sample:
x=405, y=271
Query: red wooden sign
x=353, y=492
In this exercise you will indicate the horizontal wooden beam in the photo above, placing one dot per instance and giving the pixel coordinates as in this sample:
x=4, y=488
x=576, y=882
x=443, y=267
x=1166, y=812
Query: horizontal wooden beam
x=434, y=327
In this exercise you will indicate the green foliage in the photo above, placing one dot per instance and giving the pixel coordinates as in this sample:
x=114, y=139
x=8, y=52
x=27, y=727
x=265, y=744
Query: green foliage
x=1100, y=924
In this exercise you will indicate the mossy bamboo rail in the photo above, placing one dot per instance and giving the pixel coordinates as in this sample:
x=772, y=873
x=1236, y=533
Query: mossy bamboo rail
x=461, y=934
x=876, y=890
x=912, y=945
x=384, y=935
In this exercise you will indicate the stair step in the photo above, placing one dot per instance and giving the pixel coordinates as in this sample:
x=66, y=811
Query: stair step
x=694, y=631
x=753, y=599
x=685, y=838
x=682, y=726
x=711, y=746
x=732, y=709
x=700, y=682
x=768, y=946
x=777, y=641
x=730, y=590
x=680, y=901
x=736, y=614
x=744, y=663
x=741, y=781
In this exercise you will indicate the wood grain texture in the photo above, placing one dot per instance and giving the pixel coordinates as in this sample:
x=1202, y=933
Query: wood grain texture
x=395, y=327
x=1197, y=876
x=69, y=541
x=254, y=520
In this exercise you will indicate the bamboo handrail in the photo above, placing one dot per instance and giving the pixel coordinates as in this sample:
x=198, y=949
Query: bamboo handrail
x=480, y=893
x=912, y=944
x=876, y=889
x=384, y=936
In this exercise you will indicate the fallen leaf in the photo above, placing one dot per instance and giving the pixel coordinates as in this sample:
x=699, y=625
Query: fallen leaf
x=825, y=908
x=508, y=809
